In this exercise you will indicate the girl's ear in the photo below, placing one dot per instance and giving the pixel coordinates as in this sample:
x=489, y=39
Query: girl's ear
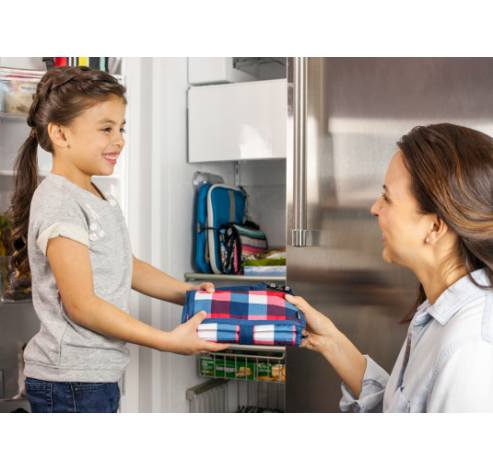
x=57, y=135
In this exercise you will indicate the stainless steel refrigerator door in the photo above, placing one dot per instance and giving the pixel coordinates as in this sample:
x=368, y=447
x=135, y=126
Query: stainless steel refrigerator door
x=356, y=110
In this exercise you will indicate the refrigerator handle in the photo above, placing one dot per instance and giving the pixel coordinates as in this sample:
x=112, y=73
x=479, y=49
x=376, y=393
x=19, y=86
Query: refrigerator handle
x=298, y=233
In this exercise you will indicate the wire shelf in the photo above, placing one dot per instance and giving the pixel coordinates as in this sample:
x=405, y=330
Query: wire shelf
x=223, y=396
x=255, y=363
x=210, y=397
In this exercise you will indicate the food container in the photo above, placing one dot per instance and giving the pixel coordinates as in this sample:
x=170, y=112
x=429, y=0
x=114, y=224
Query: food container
x=17, y=87
x=16, y=97
x=215, y=367
x=272, y=372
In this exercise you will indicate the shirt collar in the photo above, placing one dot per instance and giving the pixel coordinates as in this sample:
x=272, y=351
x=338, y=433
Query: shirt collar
x=456, y=296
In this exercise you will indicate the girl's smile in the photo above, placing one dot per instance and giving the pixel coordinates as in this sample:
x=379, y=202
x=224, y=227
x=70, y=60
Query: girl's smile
x=112, y=157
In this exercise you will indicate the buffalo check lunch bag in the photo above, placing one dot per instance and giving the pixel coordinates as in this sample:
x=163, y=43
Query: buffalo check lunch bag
x=218, y=204
x=253, y=315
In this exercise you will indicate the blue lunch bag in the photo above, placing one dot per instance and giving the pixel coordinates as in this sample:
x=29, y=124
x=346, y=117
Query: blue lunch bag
x=218, y=204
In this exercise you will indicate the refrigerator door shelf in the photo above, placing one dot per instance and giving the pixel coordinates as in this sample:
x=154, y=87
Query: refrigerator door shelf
x=232, y=277
x=210, y=70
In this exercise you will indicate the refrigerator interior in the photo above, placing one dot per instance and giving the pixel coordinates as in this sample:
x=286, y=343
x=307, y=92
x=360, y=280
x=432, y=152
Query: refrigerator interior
x=161, y=219
x=18, y=321
x=265, y=182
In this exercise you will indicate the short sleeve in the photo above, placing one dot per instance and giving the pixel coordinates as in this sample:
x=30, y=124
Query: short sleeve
x=61, y=217
x=372, y=390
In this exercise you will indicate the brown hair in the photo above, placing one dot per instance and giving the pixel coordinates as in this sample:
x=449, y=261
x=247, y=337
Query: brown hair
x=62, y=95
x=451, y=171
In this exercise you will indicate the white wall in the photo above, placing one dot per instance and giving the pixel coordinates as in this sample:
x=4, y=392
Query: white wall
x=265, y=182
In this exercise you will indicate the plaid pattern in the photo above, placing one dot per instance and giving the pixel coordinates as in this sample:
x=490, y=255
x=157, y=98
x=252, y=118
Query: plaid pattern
x=262, y=334
x=247, y=317
x=274, y=334
x=225, y=333
x=246, y=305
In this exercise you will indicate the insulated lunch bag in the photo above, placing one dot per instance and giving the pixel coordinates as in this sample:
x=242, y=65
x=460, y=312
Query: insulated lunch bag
x=237, y=242
x=250, y=315
x=218, y=204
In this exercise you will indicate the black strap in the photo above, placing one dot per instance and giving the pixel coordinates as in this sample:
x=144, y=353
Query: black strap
x=201, y=228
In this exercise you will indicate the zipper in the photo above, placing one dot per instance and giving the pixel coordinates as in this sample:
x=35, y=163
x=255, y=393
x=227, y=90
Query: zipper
x=278, y=287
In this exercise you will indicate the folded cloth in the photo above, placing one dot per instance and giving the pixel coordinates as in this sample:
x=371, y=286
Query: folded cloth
x=253, y=316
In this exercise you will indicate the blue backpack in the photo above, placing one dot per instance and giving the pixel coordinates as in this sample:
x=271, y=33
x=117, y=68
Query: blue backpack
x=218, y=204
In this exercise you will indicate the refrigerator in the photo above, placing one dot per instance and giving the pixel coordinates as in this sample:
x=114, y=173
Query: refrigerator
x=345, y=116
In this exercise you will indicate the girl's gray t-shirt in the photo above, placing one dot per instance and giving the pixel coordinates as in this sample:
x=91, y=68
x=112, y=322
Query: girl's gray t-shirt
x=64, y=351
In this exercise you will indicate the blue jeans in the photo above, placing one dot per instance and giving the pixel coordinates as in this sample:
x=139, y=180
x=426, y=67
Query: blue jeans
x=72, y=397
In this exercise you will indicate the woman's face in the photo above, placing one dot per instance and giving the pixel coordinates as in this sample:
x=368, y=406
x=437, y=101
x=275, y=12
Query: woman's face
x=404, y=228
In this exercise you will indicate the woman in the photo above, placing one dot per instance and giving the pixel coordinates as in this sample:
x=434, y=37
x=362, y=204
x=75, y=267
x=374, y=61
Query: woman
x=436, y=215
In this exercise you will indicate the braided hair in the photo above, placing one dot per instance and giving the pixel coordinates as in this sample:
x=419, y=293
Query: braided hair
x=62, y=95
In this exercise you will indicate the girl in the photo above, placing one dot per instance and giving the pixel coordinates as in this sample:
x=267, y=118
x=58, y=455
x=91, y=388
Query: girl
x=74, y=242
x=436, y=216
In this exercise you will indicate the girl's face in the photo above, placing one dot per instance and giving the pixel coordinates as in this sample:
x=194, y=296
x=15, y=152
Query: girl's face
x=404, y=227
x=95, y=139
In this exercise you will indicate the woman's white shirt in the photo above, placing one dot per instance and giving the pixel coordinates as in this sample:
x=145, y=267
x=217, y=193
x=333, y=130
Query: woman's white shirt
x=446, y=362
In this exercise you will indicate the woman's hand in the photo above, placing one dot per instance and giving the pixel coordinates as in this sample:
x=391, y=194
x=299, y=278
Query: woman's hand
x=326, y=339
x=185, y=340
x=319, y=328
x=207, y=286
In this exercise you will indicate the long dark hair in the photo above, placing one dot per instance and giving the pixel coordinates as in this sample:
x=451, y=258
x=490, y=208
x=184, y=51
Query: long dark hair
x=451, y=171
x=62, y=95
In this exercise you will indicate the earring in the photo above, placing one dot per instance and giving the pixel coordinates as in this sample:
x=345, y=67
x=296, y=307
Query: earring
x=427, y=240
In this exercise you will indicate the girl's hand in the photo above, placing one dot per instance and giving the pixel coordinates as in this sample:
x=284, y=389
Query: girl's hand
x=318, y=327
x=186, y=341
x=207, y=286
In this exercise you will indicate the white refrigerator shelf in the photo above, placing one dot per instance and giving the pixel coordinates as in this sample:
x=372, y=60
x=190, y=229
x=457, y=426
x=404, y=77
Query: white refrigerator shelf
x=231, y=277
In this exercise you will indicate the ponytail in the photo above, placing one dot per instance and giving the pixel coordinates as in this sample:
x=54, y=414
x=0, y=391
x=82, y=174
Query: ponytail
x=62, y=95
x=25, y=183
